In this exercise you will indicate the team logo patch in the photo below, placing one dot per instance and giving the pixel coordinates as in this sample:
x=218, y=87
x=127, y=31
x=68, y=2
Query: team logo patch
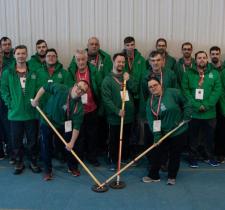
x=60, y=75
x=64, y=107
x=210, y=75
x=139, y=62
x=163, y=107
x=33, y=76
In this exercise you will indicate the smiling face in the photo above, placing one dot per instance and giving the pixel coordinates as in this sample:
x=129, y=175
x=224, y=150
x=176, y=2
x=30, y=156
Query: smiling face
x=79, y=89
x=154, y=87
x=119, y=63
x=20, y=56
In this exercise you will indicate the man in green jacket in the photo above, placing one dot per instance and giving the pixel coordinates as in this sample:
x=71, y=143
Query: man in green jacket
x=184, y=63
x=169, y=62
x=111, y=94
x=103, y=63
x=202, y=87
x=8, y=58
x=64, y=109
x=18, y=85
x=38, y=60
x=217, y=64
x=81, y=69
x=135, y=65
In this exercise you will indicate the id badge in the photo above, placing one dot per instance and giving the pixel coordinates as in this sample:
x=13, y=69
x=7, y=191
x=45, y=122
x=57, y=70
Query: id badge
x=68, y=126
x=84, y=98
x=156, y=125
x=50, y=80
x=23, y=82
x=199, y=93
x=126, y=95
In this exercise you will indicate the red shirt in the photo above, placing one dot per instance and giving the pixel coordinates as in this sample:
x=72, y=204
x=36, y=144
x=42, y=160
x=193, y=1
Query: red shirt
x=91, y=105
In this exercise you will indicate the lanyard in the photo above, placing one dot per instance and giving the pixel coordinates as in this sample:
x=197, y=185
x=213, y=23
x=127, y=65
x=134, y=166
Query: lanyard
x=201, y=79
x=118, y=82
x=68, y=106
x=130, y=62
x=156, y=114
x=184, y=67
x=85, y=75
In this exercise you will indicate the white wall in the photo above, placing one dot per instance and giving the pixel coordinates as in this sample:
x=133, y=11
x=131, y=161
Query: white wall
x=67, y=24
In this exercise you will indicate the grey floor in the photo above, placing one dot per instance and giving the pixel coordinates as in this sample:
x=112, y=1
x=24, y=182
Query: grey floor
x=196, y=189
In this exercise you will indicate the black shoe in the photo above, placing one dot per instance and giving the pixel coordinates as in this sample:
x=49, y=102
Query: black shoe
x=2, y=156
x=12, y=161
x=19, y=169
x=35, y=168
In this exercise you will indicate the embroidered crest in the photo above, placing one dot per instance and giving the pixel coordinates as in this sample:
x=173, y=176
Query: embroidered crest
x=211, y=75
x=162, y=107
x=33, y=76
x=60, y=75
x=64, y=107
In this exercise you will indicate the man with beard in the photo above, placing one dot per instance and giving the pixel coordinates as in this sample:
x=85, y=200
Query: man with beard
x=38, y=60
x=215, y=55
x=65, y=110
x=169, y=62
x=184, y=63
x=102, y=61
x=111, y=94
x=202, y=87
x=135, y=65
x=8, y=58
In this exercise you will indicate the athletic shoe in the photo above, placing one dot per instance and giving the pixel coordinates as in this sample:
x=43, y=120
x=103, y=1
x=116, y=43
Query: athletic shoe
x=213, y=163
x=74, y=172
x=193, y=164
x=171, y=181
x=48, y=176
x=19, y=168
x=147, y=179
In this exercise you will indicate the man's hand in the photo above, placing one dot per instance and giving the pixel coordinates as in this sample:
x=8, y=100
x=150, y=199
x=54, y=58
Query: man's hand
x=34, y=103
x=69, y=146
x=126, y=76
x=121, y=113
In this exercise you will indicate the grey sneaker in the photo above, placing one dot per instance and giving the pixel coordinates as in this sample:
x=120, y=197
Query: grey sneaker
x=171, y=181
x=147, y=179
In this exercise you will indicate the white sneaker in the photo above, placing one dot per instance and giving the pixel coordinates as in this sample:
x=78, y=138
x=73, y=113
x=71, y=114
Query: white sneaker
x=171, y=181
x=147, y=179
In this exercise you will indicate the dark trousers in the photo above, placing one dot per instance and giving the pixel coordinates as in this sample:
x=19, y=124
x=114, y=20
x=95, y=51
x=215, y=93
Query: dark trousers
x=30, y=129
x=47, y=148
x=173, y=147
x=89, y=135
x=103, y=133
x=219, y=136
x=207, y=128
x=114, y=139
x=5, y=137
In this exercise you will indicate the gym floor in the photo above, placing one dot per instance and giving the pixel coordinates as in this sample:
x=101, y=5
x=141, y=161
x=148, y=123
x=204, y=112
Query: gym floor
x=195, y=189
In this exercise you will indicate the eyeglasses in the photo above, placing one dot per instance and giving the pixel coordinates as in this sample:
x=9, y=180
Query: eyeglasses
x=153, y=86
x=186, y=49
x=81, y=89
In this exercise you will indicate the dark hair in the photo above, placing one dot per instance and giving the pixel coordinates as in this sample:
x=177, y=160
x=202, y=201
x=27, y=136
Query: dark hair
x=128, y=39
x=154, y=53
x=186, y=43
x=201, y=51
x=51, y=50
x=19, y=47
x=161, y=40
x=40, y=41
x=4, y=38
x=153, y=77
x=118, y=54
x=214, y=48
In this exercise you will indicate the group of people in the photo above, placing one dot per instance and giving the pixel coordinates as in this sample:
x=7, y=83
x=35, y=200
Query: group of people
x=84, y=103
